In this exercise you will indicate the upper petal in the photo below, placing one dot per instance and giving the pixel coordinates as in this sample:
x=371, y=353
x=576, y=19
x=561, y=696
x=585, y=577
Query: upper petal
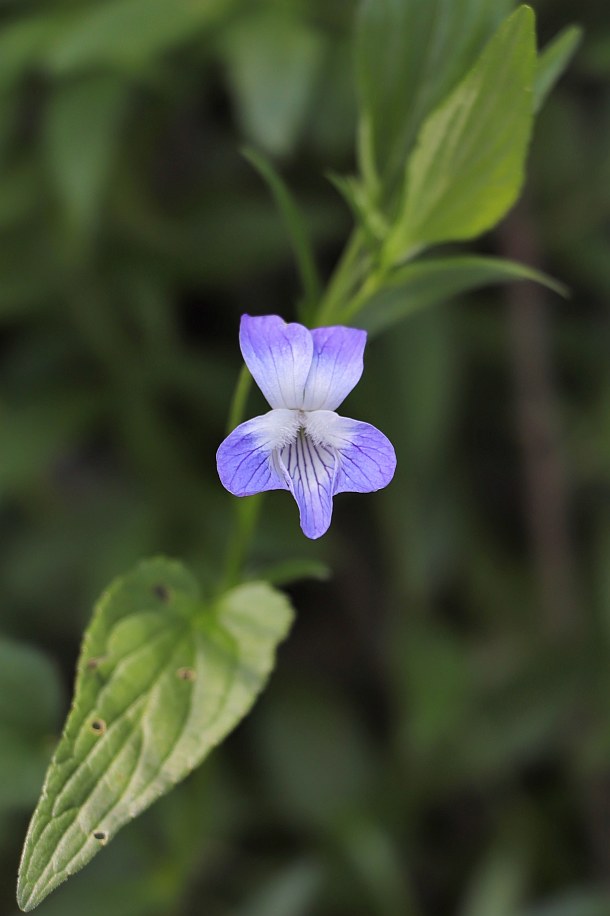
x=310, y=471
x=244, y=460
x=366, y=458
x=279, y=357
x=336, y=366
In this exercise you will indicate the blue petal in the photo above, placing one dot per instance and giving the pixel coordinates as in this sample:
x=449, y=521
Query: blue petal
x=310, y=472
x=336, y=366
x=279, y=357
x=367, y=459
x=244, y=459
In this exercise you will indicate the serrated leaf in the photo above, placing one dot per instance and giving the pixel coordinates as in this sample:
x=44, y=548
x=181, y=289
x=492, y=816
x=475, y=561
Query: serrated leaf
x=428, y=282
x=553, y=61
x=162, y=678
x=467, y=168
x=409, y=55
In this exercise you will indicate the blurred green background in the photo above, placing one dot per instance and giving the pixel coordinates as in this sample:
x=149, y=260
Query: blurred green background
x=436, y=738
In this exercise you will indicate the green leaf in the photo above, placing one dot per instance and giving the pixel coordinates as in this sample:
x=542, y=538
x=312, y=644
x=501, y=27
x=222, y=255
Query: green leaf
x=81, y=160
x=468, y=166
x=500, y=881
x=257, y=49
x=365, y=212
x=427, y=282
x=292, y=890
x=128, y=34
x=30, y=700
x=162, y=678
x=553, y=61
x=409, y=55
x=23, y=42
x=297, y=230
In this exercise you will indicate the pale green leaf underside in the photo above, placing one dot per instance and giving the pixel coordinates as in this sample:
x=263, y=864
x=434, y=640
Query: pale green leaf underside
x=435, y=280
x=162, y=679
x=468, y=165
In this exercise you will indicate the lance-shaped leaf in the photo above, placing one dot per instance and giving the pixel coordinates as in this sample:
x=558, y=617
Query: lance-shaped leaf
x=296, y=228
x=467, y=168
x=409, y=55
x=554, y=60
x=162, y=678
x=428, y=282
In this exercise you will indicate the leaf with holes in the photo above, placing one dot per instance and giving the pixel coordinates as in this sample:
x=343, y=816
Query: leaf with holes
x=162, y=678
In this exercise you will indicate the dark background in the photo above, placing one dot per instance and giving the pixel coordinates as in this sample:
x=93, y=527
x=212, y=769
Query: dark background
x=436, y=737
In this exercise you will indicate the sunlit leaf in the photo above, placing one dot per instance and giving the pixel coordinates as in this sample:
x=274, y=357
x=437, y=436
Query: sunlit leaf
x=409, y=55
x=162, y=678
x=468, y=165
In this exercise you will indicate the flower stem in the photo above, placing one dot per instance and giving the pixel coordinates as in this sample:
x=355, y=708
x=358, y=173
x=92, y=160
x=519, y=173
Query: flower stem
x=239, y=399
x=343, y=281
x=246, y=510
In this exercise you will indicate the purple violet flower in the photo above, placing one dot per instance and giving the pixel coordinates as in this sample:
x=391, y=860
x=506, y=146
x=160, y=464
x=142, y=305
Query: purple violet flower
x=301, y=444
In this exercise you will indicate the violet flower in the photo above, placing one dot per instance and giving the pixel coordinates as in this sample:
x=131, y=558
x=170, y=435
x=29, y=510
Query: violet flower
x=301, y=444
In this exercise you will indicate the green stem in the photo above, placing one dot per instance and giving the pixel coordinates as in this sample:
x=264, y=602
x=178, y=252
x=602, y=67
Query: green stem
x=341, y=299
x=247, y=510
x=240, y=398
x=343, y=281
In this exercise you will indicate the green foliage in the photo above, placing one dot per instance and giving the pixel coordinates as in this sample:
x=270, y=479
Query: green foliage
x=262, y=46
x=297, y=230
x=429, y=742
x=127, y=34
x=162, y=678
x=468, y=166
x=553, y=61
x=423, y=283
x=30, y=697
x=81, y=160
x=409, y=56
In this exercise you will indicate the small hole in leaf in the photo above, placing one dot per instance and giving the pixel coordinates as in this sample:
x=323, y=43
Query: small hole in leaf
x=98, y=726
x=161, y=592
x=101, y=836
x=186, y=674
